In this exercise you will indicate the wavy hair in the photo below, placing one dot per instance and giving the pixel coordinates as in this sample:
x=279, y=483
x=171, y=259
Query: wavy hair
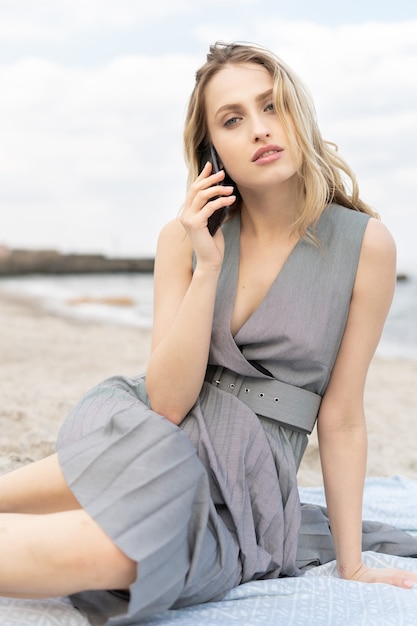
x=324, y=176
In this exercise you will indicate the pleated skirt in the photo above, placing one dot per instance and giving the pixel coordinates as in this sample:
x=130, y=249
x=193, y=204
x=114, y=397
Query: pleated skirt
x=140, y=478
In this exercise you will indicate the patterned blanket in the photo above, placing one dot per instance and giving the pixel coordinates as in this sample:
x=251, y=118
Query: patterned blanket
x=319, y=598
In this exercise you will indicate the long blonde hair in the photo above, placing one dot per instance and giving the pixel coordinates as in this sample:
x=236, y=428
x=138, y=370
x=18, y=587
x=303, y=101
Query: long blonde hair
x=324, y=175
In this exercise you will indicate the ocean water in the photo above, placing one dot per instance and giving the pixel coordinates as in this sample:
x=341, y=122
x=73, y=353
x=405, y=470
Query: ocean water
x=128, y=299
x=91, y=296
x=399, y=338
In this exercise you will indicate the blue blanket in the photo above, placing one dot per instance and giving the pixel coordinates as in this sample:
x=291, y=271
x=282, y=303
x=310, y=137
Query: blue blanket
x=319, y=598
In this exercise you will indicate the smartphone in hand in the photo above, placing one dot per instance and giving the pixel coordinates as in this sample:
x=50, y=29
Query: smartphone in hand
x=215, y=220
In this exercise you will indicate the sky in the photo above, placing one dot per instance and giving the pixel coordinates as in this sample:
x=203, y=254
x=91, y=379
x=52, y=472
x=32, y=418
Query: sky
x=94, y=93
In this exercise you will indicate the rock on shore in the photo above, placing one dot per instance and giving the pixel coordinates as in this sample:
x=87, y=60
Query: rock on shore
x=15, y=262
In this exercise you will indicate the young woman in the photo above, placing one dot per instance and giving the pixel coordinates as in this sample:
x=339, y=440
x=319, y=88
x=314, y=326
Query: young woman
x=172, y=488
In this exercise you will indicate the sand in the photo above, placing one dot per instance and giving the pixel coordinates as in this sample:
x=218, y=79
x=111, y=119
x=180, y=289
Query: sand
x=48, y=362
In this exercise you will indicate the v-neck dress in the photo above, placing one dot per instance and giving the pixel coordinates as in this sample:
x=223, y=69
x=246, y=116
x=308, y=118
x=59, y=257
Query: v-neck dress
x=214, y=502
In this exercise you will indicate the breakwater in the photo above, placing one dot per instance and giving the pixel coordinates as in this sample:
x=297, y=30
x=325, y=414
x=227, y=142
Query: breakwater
x=16, y=262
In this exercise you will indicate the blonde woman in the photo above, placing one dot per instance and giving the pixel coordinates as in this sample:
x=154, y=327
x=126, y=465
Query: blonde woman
x=171, y=488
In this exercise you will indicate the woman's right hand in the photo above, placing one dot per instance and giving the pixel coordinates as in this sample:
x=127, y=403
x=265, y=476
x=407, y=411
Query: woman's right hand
x=205, y=196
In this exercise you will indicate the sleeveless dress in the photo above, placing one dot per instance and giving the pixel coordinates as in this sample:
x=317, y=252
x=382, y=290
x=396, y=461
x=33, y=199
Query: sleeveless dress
x=214, y=502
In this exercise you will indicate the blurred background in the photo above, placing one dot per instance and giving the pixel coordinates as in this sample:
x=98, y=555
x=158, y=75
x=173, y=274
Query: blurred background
x=93, y=98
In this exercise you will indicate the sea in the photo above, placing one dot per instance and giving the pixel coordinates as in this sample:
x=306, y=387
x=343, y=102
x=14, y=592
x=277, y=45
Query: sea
x=128, y=299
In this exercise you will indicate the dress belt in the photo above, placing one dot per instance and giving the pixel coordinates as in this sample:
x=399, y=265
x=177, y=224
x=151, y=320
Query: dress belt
x=291, y=406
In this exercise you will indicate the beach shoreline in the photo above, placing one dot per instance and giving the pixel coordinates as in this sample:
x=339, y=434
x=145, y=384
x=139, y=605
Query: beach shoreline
x=49, y=361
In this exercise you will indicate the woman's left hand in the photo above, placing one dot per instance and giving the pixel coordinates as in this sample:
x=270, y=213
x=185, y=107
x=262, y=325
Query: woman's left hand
x=386, y=575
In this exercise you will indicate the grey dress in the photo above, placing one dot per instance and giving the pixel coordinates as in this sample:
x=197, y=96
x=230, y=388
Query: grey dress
x=214, y=502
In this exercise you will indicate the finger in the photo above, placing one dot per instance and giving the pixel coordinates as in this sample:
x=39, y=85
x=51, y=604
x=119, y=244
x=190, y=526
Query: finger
x=408, y=579
x=208, y=178
x=217, y=203
x=211, y=208
x=404, y=583
x=206, y=170
x=397, y=578
x=219, y=194
x=197, y=214
x=216, y=190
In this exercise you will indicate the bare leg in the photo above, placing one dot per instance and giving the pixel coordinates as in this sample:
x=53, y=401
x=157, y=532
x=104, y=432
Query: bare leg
x=49, y=545
x=39, y=487
x=58, y=554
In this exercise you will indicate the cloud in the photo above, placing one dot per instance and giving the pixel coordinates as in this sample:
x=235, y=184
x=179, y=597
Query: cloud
x=44, y=21
x=23, y=20
x=91, y=156
x=95, y=145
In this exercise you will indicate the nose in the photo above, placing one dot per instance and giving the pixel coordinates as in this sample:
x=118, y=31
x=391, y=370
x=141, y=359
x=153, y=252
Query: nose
x=259, y=130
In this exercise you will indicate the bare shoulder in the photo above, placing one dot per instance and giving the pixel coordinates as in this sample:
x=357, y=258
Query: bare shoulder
x=377, y=262
x=173, y=233
x=376, y=275
x=378, y=241
x=173, y=243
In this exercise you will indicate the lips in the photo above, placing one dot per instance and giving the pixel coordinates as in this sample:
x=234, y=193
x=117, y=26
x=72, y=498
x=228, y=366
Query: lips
x=266, y=151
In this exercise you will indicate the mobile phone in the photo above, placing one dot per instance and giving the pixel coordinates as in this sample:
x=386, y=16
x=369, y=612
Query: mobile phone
x=215, y=220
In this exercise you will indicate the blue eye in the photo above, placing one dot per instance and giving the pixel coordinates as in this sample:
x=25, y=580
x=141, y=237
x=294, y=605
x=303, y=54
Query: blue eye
x=231, y=122
x=270, y=107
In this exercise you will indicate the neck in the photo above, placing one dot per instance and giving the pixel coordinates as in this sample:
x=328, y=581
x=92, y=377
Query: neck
x=268, y=215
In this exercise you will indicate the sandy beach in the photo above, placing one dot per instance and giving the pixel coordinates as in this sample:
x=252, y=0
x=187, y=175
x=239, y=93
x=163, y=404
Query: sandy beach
x=48, y=362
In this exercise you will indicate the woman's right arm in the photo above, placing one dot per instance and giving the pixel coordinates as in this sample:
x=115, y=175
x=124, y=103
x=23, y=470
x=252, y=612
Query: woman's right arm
x=184, y=300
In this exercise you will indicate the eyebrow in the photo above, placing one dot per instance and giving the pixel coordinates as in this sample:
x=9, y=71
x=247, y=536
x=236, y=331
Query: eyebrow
x=236, y=105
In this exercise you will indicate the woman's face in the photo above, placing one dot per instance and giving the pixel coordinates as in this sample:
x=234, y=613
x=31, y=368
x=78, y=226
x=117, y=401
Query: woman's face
x=246, y=131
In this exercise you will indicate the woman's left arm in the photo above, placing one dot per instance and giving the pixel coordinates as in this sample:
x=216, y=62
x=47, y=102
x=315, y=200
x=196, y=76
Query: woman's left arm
x=341, y=422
